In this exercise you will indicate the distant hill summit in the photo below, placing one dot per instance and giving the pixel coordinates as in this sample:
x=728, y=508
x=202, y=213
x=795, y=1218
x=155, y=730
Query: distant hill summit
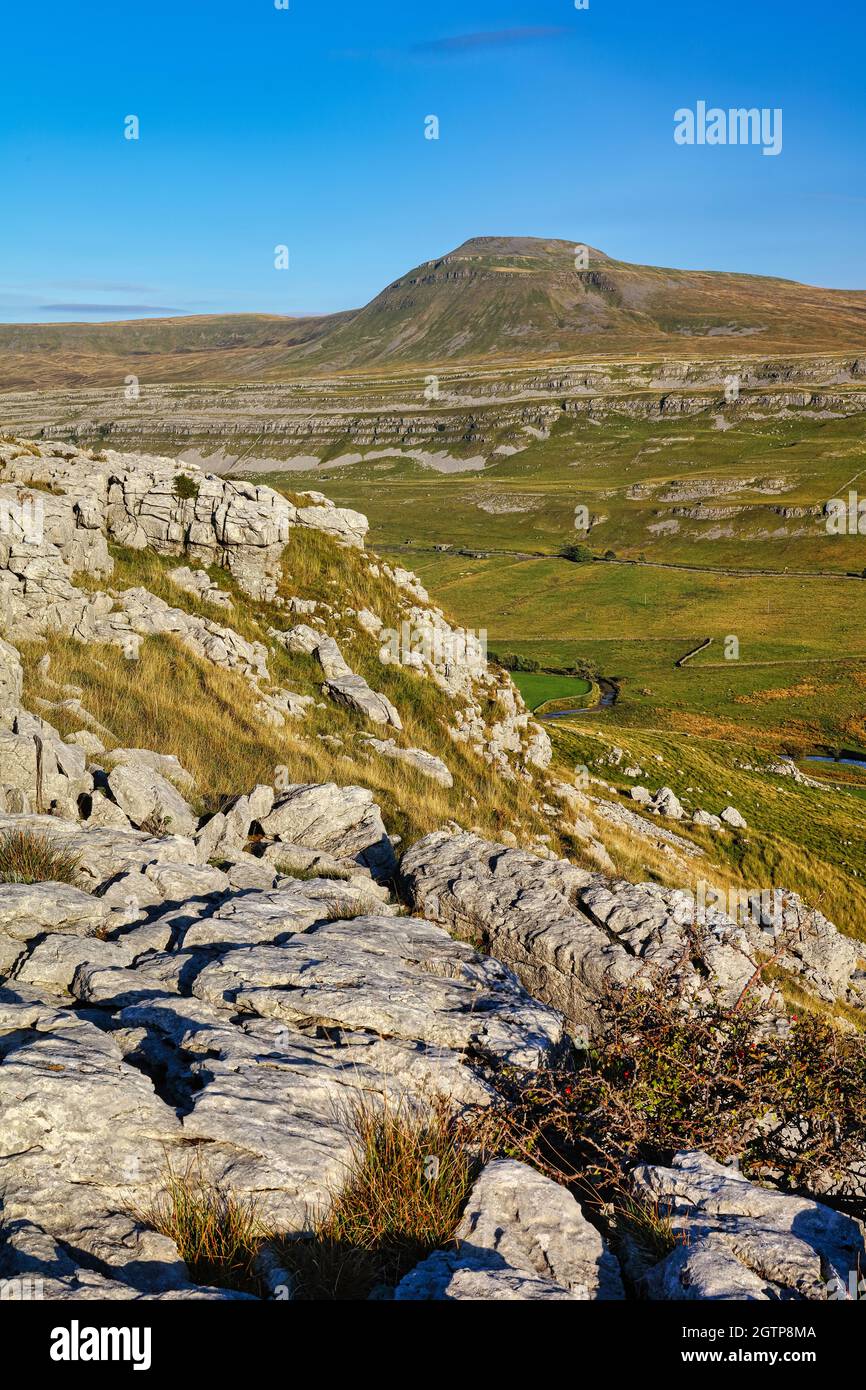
x=491, y=300
x=512, y=298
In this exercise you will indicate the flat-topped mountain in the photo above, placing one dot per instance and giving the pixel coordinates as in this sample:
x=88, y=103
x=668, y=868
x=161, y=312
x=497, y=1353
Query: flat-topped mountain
x=493, y=299
x=517, y=297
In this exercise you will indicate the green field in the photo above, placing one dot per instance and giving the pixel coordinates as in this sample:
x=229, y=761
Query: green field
x=526, y=501
x=798, y=676
x=537, y=687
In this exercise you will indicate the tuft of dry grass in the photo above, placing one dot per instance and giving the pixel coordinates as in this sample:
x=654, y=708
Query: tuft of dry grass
x=217, y=1235
x=28, y=857
x=646, y=1224
x=409, y=1179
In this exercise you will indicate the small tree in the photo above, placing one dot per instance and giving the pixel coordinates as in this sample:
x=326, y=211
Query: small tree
x=185, y=487
x=577, y=554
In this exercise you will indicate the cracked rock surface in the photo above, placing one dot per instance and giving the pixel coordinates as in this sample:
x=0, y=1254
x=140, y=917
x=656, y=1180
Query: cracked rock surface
x=569, y=933
x=740, y=1241
x=233, y=1026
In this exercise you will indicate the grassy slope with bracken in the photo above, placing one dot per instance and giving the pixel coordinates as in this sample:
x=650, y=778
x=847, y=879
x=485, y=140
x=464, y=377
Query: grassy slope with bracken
x=203, y=714
x=798, y=837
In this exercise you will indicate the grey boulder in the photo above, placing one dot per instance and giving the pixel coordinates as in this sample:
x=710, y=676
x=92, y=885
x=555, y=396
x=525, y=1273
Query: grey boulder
x=147, y=798
x=741, y=1241
x=522, y=1236
x=666, y=803
x=344, y=821
x=29, y=909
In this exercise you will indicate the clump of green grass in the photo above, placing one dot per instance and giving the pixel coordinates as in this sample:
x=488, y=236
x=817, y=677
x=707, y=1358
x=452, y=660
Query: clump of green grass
x=185, y=488
x=409, y=1179
x=27, y=857
x=217, y=1235
x=305, y=875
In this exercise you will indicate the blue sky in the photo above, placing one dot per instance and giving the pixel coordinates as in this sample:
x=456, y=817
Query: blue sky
x=305, y=127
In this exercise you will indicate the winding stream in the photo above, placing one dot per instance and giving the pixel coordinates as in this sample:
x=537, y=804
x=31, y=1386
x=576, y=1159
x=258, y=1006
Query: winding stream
x=607, y=698
x=849, y=759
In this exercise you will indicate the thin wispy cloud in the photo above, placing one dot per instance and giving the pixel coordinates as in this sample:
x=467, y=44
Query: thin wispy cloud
x=106, y=309
x=100, y=286
x=459, y=44
x=455, y=45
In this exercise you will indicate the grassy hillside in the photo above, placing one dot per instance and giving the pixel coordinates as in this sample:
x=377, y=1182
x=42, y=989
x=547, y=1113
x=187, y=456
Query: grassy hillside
x=222, y=347
x=175, y=703
x=509, y=298
x=703, y=525
x=713, y=533
x=708, y=729
x=800, y=838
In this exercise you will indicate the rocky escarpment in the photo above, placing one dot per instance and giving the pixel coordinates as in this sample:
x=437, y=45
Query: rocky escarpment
x=186, y=998
x=570, y=934
x=235, y=1014
x=267, y=423
x=150, y=503
x=61, y=508
x=170, y=1010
